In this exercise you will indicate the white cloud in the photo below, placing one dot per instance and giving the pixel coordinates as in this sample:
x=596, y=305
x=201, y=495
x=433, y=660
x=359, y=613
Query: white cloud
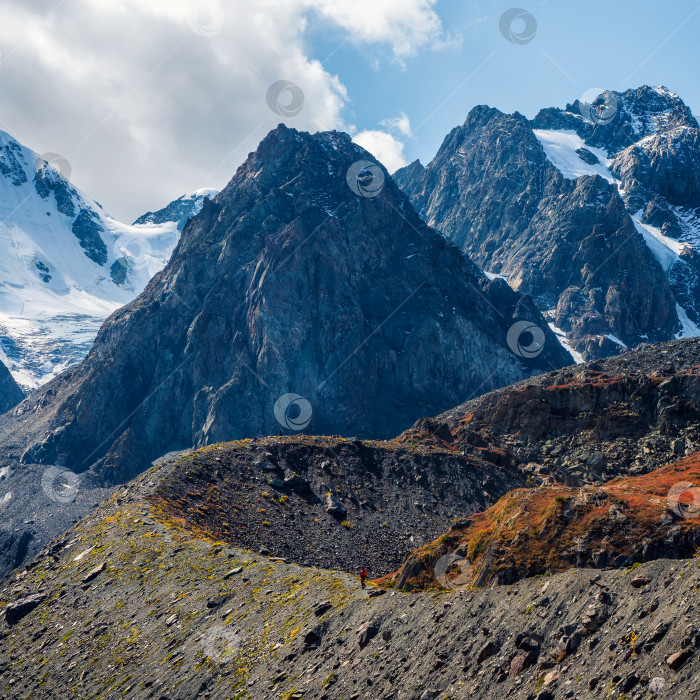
x=407, y=25
x=148, y=99
x=401, y=123
x=384, y=147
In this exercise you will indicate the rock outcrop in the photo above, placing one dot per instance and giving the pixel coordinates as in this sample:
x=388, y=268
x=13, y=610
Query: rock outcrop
x=10, y=392
x=584, y=424
x=329, y=502
x=622, y=523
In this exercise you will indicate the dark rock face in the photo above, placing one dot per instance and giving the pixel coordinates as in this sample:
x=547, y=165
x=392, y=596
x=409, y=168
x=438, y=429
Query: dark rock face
x=87, y=229
x=10, y=165
x=666, y=165
x=10, y=393
x=287, y=283
x=15, y=546
x=180, y=210
x=48, y=181
x=118, y=270
x=569, y=243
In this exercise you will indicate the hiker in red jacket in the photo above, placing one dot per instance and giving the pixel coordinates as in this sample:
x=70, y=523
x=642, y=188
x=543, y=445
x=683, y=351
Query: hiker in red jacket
x=363, y=576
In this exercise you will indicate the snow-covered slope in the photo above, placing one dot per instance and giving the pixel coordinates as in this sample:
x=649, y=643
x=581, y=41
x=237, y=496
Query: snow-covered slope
x=566, y=150
x=65, y=265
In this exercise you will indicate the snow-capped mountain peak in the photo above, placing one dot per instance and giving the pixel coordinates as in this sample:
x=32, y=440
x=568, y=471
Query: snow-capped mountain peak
x=67, y=264
x=181, y=209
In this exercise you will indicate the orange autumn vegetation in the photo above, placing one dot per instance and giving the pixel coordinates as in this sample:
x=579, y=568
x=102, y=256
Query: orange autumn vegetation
x=533, y=531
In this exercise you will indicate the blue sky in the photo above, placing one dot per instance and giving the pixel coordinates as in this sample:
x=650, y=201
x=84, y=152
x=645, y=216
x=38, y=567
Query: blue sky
x=151, y=99
x=578, y=46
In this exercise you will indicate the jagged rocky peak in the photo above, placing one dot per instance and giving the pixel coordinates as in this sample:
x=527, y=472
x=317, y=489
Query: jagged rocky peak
x=513, y=198
x=307, y=295
x=180, y=210
x=309, y=275
x=615, y=120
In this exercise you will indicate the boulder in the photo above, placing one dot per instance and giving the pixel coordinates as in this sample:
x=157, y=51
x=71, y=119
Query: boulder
x=14, y=612
x=94, y=573
x=488, y=650
x=323, y=608
x=640, y=580
x=335, y=508
x=656, y=685
x=311, y=637
x=520, y=662
x=675, y=661
x=366, y=633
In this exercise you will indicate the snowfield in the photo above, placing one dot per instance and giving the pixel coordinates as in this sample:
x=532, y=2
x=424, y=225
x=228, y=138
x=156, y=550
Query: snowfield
x=561, y=146
x=54, y=292
x=666, y=250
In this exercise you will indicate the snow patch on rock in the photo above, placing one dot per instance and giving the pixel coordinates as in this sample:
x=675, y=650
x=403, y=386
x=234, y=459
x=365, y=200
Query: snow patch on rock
x=560, y=148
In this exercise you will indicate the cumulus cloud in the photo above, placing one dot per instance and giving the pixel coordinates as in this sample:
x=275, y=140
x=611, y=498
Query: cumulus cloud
x=384, y=147
x=407, y=25
x=402, y=124
x=149, y=99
